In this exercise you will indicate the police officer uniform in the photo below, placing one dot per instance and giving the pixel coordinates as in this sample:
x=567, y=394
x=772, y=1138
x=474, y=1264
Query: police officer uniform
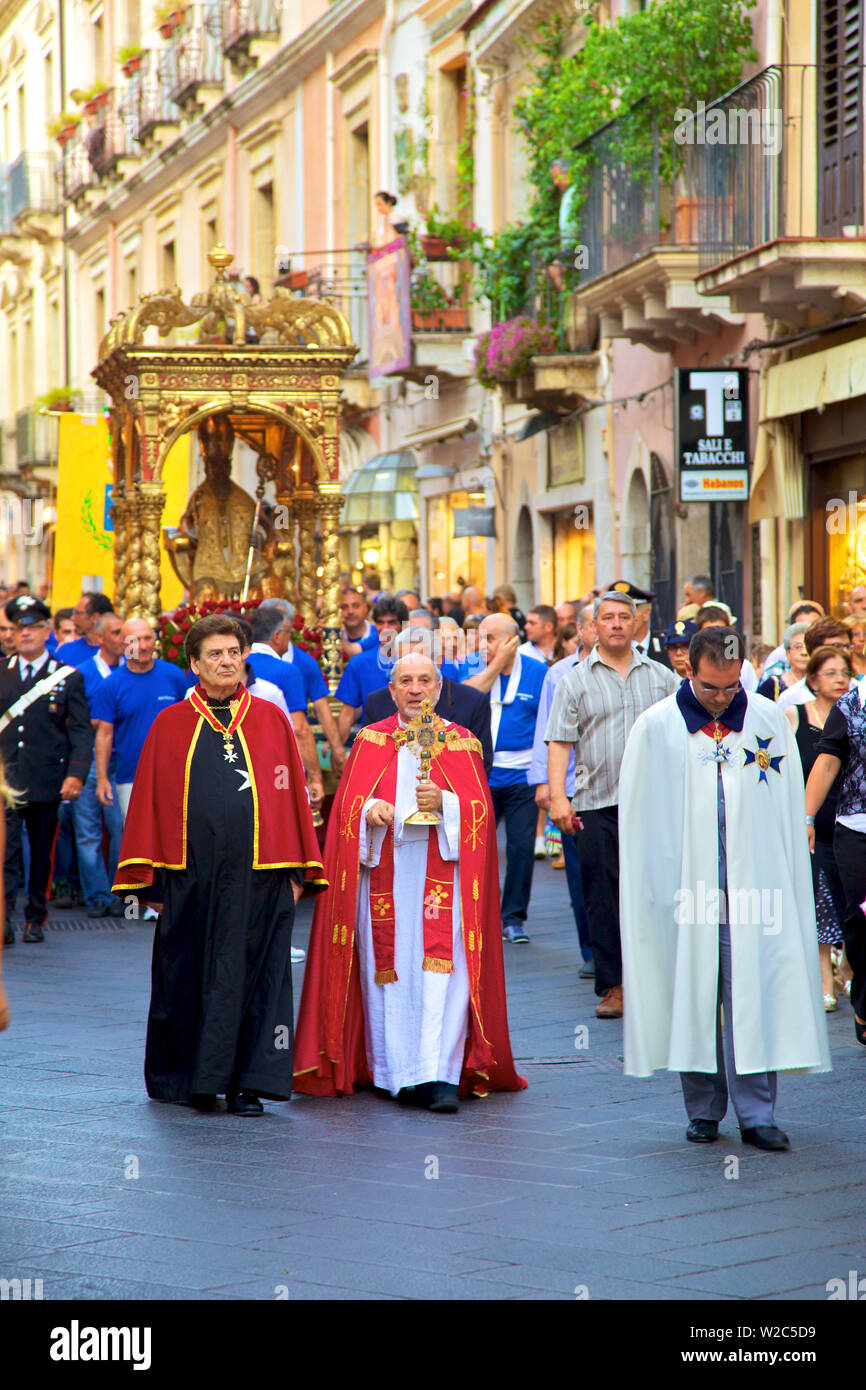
x=43, y=744
x=652, y=643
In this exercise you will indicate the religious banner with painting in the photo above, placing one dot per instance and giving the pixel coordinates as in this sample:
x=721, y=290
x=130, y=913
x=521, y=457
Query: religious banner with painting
x=389, y=341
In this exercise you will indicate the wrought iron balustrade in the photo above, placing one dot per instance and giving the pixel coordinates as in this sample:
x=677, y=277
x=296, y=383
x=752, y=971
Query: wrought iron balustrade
x=31, y=184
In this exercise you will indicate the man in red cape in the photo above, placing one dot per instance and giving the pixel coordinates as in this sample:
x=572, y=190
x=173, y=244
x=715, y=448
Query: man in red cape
x=404, y=986
x=219, y=830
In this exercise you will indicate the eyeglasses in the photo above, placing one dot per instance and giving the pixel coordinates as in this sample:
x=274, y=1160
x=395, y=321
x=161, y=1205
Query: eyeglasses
x=715, y=690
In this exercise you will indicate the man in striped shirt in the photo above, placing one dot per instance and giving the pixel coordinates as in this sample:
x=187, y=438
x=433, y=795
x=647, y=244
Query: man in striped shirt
x=594, y=708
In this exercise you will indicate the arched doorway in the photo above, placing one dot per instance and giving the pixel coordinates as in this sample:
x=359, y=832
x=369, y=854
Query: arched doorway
x=524, y=557
x=636, y=562
x=663, y=564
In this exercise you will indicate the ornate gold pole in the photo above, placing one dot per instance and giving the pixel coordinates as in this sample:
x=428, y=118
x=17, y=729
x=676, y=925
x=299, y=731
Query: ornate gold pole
x=119, y=514
x=307, y=509
x=150, y=511
x=134, y=575
x=286, y=564
x=330, y=506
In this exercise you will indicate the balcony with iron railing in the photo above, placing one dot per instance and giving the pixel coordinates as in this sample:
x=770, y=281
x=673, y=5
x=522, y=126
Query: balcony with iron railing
x=779, y=201
x=250, y=29
x=35, y=439
x=147, y=106
x=199, y=59
x=31, y=186
x=639, y=250
x=90, y=158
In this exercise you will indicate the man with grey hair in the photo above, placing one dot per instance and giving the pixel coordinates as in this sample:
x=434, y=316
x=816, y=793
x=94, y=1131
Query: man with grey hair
x=315, y=685
x=699, y=589
x=594, y=707
x=513, y=682
x=455, y=702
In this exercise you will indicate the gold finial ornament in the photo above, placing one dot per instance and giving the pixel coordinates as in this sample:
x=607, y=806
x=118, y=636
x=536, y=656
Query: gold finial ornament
x=422, y=736
x=220, y=259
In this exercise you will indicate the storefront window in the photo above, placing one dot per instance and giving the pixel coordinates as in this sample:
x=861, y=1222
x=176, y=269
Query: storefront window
x=453, y=561
x=573, y=553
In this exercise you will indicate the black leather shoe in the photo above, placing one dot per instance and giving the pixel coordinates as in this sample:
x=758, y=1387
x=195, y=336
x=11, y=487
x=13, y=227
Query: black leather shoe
x=116, y=908
x=411, y=1096
x=33, y=933
x=765, y=1137
x=98, y=910
x=9, y=936
x=443, y=1099
x=244, y=1103
x=204, y=1103
x=703, y=1132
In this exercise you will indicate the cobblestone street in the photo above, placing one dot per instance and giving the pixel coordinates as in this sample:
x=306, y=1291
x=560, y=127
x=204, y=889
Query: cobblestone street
x=581, y=1186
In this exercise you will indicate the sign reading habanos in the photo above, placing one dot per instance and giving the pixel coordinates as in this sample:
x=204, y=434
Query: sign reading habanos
x=712, y=434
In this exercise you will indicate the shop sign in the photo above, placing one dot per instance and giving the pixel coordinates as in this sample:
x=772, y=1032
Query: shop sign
x=473, y=521
x=712, y=434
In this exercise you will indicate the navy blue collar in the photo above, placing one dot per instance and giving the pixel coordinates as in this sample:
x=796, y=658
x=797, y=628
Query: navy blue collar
x=696, y=716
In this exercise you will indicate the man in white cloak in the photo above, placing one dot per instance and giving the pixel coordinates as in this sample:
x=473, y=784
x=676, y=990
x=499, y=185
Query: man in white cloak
x=720, y=951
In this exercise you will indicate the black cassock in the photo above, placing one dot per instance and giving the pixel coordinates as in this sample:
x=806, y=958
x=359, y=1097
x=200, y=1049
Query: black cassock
x=221, y=1002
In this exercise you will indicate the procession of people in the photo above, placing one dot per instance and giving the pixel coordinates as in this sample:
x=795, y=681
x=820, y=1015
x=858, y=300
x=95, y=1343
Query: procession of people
x=707, y=803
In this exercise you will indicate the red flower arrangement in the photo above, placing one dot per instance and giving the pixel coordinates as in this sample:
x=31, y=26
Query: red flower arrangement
x=173, y=628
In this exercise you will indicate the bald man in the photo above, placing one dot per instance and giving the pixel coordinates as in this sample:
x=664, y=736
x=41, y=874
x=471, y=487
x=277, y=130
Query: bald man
x=401, y=993
x=472, y=602
x=126, y=705
x=513, y=682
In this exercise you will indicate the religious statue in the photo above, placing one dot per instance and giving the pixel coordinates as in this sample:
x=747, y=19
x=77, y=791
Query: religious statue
x=223, y=542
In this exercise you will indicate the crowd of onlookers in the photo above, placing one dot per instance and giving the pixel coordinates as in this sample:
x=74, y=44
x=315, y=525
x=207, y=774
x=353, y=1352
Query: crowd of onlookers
x=501, y=671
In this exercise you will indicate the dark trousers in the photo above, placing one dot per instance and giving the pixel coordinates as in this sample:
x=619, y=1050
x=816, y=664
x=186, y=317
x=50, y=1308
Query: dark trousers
x=575, y=892
x=40, y=818
x=598, y=847
x=517, y=805
x=849, y=848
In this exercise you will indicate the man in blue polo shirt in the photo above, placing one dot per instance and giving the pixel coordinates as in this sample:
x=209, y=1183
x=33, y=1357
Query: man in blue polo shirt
x=126, y=706
x=514, y=683
x=270, y=631
x=89, y=816
x=84, y=614
x=369, y=671
x=315, y=685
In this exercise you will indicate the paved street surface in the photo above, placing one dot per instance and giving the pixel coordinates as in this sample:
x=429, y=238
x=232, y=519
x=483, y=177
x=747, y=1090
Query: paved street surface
x=581, y=1186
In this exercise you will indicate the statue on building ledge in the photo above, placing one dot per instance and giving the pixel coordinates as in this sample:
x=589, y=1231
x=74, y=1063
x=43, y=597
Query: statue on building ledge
x=222, y=532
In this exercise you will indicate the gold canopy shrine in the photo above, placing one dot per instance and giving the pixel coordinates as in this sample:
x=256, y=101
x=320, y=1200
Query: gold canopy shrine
x=281, y=396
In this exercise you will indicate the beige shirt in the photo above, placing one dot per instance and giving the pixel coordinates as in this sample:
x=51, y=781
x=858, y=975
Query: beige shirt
x=594, y=709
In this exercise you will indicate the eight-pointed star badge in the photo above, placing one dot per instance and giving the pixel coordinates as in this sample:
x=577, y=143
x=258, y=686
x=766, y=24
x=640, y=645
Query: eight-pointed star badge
x=762, y=758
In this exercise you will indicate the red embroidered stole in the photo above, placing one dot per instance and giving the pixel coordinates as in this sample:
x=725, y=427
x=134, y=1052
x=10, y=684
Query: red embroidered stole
x=438, y=899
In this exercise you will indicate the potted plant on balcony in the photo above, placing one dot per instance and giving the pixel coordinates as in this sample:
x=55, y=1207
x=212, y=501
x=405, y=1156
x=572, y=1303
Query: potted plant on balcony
x=63, y=127
x=503, y=355
x=60, y=398
x=429, y=301
x=448, y=238
x=167, y=18
x=130, y=58
x=91, y=98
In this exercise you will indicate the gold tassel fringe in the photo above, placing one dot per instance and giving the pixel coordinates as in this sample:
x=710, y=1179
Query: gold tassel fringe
x=439, y=966
x=385, y=977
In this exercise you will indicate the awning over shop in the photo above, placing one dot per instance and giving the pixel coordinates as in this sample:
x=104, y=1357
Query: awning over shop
x=432, y=434
x=384, y=489
x=812, y=382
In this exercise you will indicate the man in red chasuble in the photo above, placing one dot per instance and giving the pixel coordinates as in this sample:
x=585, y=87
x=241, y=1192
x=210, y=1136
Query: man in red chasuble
x=219, y=829
x=405, y=988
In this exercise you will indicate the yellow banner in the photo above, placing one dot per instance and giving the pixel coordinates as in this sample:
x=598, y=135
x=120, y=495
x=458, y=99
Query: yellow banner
x=84, y=539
